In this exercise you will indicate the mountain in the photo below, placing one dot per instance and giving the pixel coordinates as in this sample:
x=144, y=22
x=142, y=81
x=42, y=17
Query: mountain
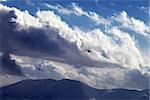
x=48, y=89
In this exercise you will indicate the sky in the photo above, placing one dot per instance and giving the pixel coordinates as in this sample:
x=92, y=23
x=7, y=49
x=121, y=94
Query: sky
x=138, y=9
x=103, y=43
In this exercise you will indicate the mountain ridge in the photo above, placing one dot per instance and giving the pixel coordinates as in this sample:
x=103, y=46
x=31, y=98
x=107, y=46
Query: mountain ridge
x=66, y=89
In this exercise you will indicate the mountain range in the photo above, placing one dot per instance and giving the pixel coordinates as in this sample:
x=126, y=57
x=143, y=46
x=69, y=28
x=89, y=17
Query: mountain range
x=65, y=89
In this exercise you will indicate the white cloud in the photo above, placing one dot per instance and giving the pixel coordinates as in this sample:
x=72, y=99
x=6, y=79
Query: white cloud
x=132, y=23
x=59, y=8
x=75, y=9
x=123, y=18
x=102, y=78
x=129, y=6
x=3, y=0
x=96, y=57
x=112, y=4
x=145, y=9
x=9, y=79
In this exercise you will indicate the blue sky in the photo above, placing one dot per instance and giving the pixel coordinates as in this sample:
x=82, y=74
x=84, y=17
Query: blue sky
x=102, y=7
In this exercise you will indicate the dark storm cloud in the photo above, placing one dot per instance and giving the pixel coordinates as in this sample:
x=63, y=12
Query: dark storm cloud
x=31, y=39
x=9, y=66
x=41, y=43
x=29, y=42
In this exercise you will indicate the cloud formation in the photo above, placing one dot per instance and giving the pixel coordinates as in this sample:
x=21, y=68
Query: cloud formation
x=102, y=78
x=119, y=21
x=3, y=0
x=46, y=36
x=78, y=11
x=145, y=9
x=132, y=24
x=97, y=57
x=122, y=18
x=9, y=66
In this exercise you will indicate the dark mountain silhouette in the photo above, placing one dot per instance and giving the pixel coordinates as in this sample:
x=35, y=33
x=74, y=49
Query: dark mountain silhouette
x=48, y=89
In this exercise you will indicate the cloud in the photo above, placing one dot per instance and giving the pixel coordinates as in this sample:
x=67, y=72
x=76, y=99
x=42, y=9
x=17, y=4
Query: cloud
x=3, y=0
x=9, y=66
x=145, y=9
x=47, y=33
x=112, y=4
x=9, y=79
x=60, y=9
x=44, y=37
x=129, y=6
x=78, y=11
x=132, y=24
x=122, y=18
x=29, y=2
x=47, y=47
x=102, y=78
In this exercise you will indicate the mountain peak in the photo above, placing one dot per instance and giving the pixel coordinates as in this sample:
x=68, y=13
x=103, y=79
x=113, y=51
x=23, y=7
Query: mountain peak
x=66, y=89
